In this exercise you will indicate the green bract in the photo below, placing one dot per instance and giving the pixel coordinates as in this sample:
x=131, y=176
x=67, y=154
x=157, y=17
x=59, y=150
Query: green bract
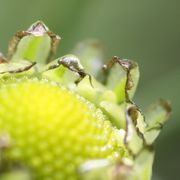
x=72, y=117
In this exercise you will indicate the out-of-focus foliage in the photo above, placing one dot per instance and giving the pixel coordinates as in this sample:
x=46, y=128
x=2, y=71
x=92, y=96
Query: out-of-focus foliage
x=146, y=31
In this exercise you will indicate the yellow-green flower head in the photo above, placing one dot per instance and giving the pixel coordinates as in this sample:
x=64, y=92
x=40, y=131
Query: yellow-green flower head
x=64, y=119
x=53, y=130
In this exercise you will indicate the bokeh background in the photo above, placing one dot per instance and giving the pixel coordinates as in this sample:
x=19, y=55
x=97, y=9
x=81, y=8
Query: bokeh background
x=147, y=31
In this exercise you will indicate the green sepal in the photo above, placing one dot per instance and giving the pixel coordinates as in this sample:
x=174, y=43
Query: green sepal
x=142, y=169
x=138, y=169
x=90, y=54
x=66, y=69
x=126, y=169
x=95, y=169
x=35, y=44
x=133, y=139
x=33, y=48
x=109, y=171
x=15, y=67
x=97, y=93
x=104, y=99
x=156, y=116
x=115, y=112
x=53, y=74
x=122, y=78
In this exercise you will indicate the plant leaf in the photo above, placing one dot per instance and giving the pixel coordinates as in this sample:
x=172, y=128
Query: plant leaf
x=125, y=169
x=156, y=116
x=97, y=93
x=115, y=112
x=36, y=44
x=16, y=67
x=133, y=139
x=122, y=78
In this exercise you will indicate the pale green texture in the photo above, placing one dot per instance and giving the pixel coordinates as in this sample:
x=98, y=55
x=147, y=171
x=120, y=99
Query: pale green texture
x=33, y=48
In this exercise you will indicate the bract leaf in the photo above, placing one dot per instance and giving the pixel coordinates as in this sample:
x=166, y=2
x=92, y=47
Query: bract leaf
x=16, y=67
x=133, y=139
x=97, y=93
x=91, y=55
x=115, y=112
x=125, y=169
x=156, y=116
x=122, y=77
x=36, y=44
x=95, y=169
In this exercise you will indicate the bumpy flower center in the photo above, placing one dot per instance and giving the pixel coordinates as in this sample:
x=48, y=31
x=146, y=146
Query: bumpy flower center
x=52, y=130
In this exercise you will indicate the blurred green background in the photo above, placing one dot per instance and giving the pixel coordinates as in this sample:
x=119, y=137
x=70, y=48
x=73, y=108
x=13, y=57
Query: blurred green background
x=147, y=31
